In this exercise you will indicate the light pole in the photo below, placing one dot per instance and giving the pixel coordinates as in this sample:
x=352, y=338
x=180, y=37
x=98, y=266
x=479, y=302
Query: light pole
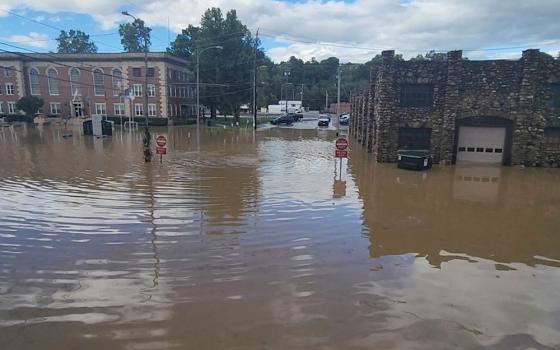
x=281, y=89
x=147, y=136
x=198, y=53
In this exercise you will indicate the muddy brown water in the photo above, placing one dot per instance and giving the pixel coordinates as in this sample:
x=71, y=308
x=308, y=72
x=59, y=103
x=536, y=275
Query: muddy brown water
x=242, y=241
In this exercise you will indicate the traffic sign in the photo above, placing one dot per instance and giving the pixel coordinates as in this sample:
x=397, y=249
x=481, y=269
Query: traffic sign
x=161, y=150
x=341, y=153
x=161, y=140
x=341, y=143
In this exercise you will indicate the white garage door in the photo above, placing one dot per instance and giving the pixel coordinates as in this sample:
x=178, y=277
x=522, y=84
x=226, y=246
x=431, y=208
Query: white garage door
x=481, y=144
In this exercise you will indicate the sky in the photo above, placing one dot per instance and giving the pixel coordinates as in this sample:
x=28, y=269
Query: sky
x=354, y=31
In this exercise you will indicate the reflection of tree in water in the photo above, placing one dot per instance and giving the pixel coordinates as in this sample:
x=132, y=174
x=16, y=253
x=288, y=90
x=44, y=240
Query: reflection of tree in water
x=420, y=213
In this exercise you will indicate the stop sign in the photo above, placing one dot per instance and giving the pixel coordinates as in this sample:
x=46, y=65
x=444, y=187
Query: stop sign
x=161, y=140
x=341, y=143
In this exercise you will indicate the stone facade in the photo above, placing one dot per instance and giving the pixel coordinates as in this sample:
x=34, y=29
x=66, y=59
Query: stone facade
x=521, y=96
x=99, y=82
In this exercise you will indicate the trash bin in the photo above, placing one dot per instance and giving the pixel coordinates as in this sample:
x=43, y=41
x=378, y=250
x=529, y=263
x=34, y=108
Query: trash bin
x=414, y=159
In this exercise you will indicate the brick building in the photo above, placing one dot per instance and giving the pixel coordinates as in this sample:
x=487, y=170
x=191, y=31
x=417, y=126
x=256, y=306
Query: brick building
x=79, y=85
x=495, y=111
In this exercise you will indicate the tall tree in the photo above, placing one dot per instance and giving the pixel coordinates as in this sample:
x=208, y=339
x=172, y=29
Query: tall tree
x=133, y=34
x=29, y=104
x=225, y=74
x=75, y=41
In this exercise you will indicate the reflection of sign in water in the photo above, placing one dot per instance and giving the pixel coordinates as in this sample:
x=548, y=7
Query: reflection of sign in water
x=339, y=188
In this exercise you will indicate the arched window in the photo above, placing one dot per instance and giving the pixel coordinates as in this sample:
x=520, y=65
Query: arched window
x=98, y=88
x=52, y=80
x=34, y=81
x=75, y=86
x=117, y=82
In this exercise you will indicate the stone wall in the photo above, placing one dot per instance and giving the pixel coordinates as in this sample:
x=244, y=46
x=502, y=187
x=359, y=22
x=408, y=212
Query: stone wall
x=509, y=93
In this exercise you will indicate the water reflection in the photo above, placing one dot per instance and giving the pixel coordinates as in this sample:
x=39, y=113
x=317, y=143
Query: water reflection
x=249, y=241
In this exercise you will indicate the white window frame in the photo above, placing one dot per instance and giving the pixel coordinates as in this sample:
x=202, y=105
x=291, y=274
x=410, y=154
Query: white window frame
x=7, y=72
x=75, y=85
x=52, y=82
x=138, y=110
x=34, y=86
x=117, y=81
x=57, y=110
x=119, y=109
x=137, y=88
x=11, y=107
x=10, y=89
x=151, y=90
x=101, y=108
x=152, y=110
x=98, y=82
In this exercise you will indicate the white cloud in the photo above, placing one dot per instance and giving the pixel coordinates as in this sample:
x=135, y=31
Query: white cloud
x=32, y=39
x=411, y=28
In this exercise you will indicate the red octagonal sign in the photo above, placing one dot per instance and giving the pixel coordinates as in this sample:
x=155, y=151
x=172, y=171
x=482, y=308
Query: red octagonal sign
x=341, y=143
x=161, y=141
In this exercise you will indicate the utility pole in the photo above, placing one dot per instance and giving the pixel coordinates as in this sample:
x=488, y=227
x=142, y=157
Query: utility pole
x=255, y=82
x=147, y=137
x=326, y=100
x=338, y=101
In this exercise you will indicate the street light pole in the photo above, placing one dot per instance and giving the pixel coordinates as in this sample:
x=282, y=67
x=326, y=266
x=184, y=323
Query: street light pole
x=147, y=137
x=198, y=53
x=338, y=102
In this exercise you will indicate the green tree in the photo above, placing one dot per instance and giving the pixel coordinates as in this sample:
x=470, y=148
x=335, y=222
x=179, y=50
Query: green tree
x=75, y=41
x=133, y=34
x=29, y=104
x=225, y=75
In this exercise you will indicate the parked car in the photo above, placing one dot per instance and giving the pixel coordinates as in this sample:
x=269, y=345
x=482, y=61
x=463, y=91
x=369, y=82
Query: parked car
x=344, y=119
x=284, y=119
x=296, y=116
x=324, y=120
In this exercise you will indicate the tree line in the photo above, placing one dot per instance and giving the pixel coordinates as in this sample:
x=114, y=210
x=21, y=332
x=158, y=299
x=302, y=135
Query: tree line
x=228, y=54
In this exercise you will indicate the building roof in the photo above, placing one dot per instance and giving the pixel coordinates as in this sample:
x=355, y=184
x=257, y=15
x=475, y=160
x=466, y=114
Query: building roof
x=65, y=57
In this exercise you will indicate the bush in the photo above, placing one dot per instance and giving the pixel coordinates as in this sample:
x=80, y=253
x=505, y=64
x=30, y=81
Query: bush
x=140, y=121
x=10, y=118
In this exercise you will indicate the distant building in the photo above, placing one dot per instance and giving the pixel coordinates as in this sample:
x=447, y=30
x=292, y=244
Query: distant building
x=494, y=111
x=79, y=85
x=344, y=107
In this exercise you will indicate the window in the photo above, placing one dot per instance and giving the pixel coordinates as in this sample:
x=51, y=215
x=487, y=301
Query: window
x=136, y=72
x=34, y=81
x=152, y=110
x=554, y=100
x=98, y=88
x=137, y=89
x=138, y=110
x=150, y=72
x=10, y=89
x=11, y=108
x=75, y=86
x=415, y=138
x=0, y=89
x=151, y=90
x=1, y=108
x=169, y=74
x=117, y=82
x=119, y=109
x=55, y=108
x=52, y=80
x=552, y=139
x=417, y=95
x=101, y=109
x=7, y=72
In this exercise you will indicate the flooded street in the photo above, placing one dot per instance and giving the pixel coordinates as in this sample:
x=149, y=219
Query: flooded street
x=243, y=241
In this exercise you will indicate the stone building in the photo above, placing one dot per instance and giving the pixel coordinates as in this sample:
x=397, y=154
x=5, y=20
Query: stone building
x=79, y=85
x=496, y=111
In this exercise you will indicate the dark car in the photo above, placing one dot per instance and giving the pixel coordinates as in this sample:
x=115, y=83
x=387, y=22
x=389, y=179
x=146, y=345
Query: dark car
x=284, y=119
x=296, y=116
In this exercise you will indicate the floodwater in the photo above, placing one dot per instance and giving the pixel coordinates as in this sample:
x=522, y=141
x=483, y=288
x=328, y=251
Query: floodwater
x=243, y=241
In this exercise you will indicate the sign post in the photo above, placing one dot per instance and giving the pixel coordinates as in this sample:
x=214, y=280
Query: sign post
x=161, y=146
x=341, y=151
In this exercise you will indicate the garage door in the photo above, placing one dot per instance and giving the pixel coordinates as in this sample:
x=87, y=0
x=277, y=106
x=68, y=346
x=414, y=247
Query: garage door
x=481, y=144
